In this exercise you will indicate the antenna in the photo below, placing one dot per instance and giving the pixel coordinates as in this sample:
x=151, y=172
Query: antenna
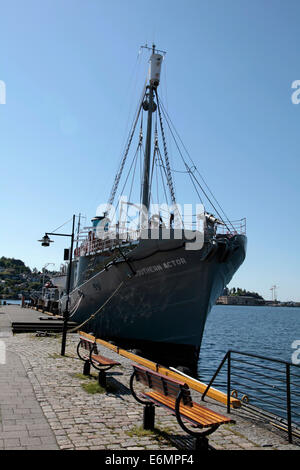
x=153, y=49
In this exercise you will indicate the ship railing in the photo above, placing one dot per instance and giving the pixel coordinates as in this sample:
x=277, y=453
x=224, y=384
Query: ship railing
x=224, y=227
x=110, y=240
x=90, y=243
x=234, y=227
x=268, y=388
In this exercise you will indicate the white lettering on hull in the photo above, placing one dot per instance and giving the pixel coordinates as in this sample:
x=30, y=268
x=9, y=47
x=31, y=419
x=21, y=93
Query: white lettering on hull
x=161, y=267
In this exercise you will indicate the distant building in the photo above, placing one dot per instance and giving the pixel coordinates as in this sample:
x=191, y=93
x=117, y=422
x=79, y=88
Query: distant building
x=239, y=300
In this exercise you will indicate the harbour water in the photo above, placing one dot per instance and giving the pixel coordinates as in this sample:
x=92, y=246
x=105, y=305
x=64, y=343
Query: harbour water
x=265, y=331
x=10, y=301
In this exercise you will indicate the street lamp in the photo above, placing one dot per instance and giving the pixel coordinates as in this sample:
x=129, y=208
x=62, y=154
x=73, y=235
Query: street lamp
x=45, y=241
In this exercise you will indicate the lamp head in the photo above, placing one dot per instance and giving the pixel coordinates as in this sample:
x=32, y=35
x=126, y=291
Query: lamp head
x=45, y=241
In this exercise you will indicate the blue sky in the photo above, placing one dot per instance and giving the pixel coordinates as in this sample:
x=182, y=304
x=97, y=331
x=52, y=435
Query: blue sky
x=69, y=69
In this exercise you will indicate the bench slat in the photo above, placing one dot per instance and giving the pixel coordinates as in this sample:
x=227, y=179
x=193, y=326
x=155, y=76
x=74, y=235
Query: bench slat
x=85, y=340
x=166, y=386
x=104, y=360
x=144, y=369
x=88, y=345
x=197, y=414
x=201, y=413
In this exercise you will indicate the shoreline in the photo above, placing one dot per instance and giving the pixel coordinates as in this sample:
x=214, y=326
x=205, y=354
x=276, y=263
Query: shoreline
x=259, y=305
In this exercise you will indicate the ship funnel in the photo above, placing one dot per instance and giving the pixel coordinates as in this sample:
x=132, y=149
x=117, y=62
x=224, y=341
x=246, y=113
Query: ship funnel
x=155, y=66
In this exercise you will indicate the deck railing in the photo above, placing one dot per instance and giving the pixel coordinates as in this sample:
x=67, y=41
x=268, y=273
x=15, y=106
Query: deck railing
x=91, y=244
x=114, y=237
x=235, y=227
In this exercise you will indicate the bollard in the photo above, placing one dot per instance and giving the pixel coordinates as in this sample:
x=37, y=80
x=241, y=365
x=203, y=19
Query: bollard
x=86, y=367
x=149, y=416
x=102, y=378
x=201, y=443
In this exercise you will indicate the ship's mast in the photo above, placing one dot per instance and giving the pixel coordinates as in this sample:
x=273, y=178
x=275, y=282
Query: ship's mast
x=150, y=106
x=146, y=172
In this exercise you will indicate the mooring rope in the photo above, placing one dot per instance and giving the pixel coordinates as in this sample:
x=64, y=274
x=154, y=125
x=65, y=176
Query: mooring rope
x=75, y=308
x=98, y=310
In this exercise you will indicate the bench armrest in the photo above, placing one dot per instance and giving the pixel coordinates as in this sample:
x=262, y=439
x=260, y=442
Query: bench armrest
x=137, y=398
x=198, y=434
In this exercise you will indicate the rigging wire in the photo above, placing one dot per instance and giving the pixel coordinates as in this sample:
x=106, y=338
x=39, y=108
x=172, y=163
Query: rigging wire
x=121, y=167
x=128, y=173
x=133, y=175
x=156, y=174
x=132, y=181
x=162, y=165
x=191, y=174
x=162, y=178
x=153, y=158
x=196, y=169
x=142, y=156
x=168, y=172
x=133, y=120
x=151, y=177
x=65, y=223
x=130, y=91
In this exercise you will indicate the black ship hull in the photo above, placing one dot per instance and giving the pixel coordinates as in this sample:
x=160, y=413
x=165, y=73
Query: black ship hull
x=164, y=295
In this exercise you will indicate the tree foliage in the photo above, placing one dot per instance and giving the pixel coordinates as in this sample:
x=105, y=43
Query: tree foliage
x=242, y=292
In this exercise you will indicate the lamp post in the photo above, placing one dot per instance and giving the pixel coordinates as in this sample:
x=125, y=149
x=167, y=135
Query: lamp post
x=46, y=242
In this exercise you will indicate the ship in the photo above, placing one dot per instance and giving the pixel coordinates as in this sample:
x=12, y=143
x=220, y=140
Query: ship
x=149, y=286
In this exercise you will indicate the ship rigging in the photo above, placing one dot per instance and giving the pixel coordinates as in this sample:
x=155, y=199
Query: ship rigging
x=160, y=288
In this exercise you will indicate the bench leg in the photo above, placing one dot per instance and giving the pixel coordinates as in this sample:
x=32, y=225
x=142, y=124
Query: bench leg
x=149, y=416
x=102, y=378
x=86, y=367
x=201, y=443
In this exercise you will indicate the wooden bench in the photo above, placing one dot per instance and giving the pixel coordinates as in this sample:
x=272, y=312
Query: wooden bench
x=175, y=396
x=87, y=351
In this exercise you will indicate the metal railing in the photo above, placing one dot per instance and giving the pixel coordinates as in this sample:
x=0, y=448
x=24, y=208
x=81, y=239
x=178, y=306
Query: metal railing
x=237, y=227
x=89, y=242
x=263, y=383
x=92, y=244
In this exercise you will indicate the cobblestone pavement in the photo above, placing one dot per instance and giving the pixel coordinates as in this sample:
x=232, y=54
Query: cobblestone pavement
x=22, y=421
x=43, y=405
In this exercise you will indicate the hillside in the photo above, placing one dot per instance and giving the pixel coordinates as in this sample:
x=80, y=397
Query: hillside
x=17, y=278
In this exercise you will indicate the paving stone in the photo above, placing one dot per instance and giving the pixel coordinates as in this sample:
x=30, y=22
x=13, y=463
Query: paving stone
x=10, y=442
